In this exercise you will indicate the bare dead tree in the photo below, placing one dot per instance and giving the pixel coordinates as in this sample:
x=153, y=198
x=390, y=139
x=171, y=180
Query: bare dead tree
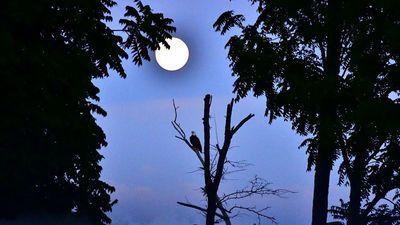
x=215, y=165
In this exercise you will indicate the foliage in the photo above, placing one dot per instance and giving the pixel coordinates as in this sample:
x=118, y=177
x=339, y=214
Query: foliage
x=278, y=56
x=146, y=31
x=379, y=187
x=49, y=139
x=331, y=68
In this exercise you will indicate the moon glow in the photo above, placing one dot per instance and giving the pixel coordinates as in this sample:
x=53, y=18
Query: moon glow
x=175, y=57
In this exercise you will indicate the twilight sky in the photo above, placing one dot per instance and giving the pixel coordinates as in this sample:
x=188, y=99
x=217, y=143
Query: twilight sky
x=152, y=170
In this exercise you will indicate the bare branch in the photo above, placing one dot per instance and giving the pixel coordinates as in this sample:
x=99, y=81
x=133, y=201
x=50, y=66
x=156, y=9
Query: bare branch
x=216, y=130
x=260, y=213
x=390, y=201
x=227, y=141
x=241, y=164
x=370, y=205
x=182, y=135
x=257, y=187
x=176, y=124
x=220, y=206
x=247, y=118
x=198, y=208
x=216, y=166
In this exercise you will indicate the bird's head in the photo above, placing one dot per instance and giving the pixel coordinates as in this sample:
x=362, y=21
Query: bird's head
x=193, y=133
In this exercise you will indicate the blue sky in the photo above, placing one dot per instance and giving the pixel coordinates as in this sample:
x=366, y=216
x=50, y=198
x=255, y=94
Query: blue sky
x=152, y=170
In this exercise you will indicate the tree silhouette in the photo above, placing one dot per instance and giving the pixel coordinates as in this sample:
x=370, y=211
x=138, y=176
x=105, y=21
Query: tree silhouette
x=307, y=57
x=373, y=175
x=49, y=139
x=216, y=166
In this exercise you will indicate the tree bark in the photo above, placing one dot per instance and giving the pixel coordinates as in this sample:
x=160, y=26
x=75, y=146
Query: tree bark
x=356, y=175
x=321, y=187
x=355, y=194
x=327, y=148
x=211, y=206
x=213, y=188
x=210, y=189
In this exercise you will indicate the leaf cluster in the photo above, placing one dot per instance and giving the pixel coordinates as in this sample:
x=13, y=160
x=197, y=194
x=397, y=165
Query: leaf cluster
x=49, y=138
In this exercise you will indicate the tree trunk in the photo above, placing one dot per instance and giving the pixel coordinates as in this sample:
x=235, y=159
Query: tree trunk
x=328, y=118
x=321, y=187
x=211, y=206
x=355, y=179
x=210, y=189
x=355, y=201
x=212, y=180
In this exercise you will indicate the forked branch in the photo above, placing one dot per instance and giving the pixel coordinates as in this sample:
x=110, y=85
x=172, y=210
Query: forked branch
x=215, y=167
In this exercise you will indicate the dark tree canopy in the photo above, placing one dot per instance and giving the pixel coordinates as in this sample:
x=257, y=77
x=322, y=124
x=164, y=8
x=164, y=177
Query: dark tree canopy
x=330, y=67
x=49, y=140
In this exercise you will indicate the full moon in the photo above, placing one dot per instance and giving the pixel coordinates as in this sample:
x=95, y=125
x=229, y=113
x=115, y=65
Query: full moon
x=175, y=57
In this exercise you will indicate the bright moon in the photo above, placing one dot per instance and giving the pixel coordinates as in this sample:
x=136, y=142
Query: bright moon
x=175, y=57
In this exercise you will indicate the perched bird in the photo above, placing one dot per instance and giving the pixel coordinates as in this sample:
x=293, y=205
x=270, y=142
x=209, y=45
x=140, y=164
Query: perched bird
x=194, y=140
